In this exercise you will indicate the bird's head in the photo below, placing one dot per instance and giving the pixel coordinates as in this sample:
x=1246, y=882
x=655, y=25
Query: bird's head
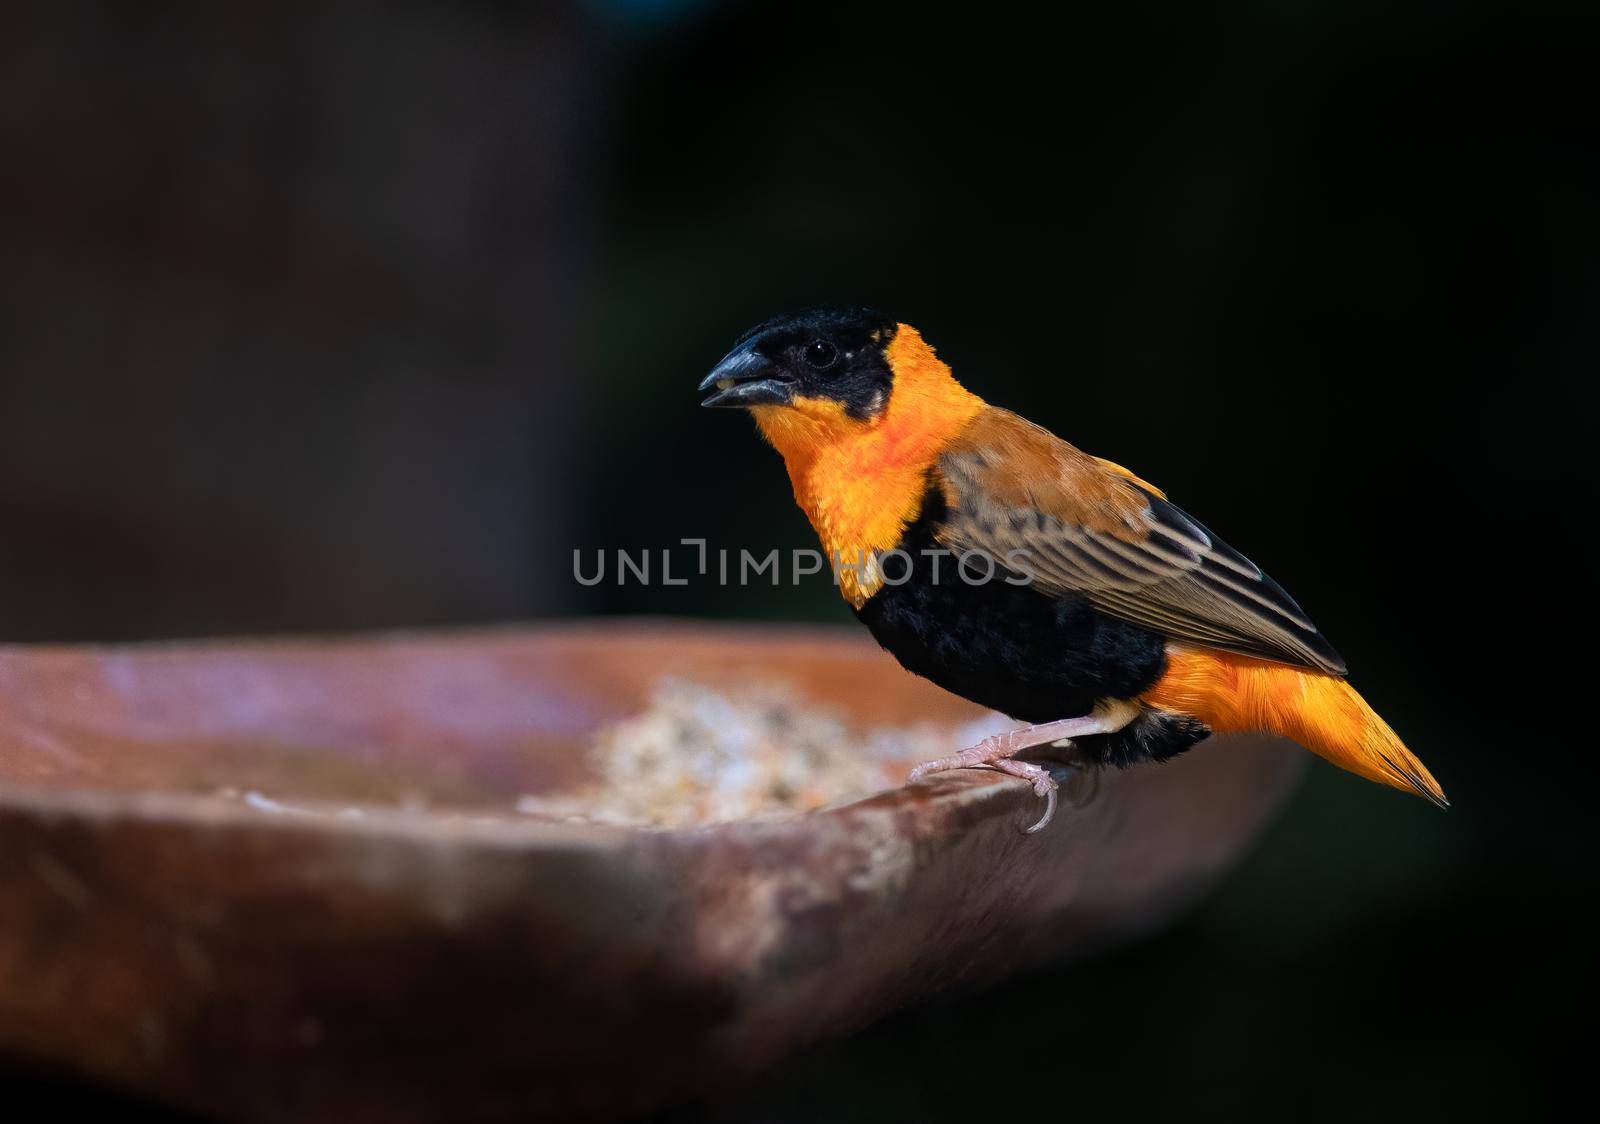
x=832, y=357
x=831, y=375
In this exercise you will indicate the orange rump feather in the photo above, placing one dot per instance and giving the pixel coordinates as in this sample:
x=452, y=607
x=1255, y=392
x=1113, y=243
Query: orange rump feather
x=1322, y=712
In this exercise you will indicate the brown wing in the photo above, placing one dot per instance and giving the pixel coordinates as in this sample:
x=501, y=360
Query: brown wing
x=1086, y=526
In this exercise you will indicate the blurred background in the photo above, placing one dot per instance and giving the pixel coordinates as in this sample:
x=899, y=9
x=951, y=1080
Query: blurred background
x=365, y=316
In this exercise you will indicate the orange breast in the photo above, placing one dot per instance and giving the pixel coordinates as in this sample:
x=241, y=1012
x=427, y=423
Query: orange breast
x=861, y=480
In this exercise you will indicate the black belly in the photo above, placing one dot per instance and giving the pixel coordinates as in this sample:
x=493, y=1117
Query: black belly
x=1014, y=649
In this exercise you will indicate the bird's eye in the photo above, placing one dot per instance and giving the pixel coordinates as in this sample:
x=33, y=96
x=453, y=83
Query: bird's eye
x=821, y=354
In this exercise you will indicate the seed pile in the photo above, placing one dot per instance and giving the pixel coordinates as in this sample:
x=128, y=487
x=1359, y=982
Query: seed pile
x=698, y=755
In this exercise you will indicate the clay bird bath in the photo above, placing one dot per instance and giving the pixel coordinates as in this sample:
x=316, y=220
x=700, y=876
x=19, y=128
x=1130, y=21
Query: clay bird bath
x=344, y=880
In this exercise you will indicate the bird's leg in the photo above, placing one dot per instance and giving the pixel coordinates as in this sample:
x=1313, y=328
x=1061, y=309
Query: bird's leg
x=998, y=747
x=998, y=750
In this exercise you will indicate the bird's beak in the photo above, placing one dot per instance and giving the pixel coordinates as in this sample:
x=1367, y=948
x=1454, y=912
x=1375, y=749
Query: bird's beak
x=745, y=377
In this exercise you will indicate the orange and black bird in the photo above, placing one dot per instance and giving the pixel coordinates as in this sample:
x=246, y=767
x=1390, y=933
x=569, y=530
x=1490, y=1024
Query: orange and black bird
x=1072, y=595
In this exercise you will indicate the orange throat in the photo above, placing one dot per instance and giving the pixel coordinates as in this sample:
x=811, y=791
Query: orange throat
x=861, y=481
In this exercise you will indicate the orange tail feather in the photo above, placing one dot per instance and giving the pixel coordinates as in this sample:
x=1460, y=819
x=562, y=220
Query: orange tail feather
x=1322, y=712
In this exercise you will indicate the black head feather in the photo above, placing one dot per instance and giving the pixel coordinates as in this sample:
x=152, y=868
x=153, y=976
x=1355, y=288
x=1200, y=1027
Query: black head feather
x=829, y=352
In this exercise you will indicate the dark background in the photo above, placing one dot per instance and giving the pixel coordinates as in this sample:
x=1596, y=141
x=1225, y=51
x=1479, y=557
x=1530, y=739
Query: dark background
x=331, y=317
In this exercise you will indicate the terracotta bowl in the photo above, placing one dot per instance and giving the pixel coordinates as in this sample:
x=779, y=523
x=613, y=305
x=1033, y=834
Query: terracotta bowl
x=286, y=881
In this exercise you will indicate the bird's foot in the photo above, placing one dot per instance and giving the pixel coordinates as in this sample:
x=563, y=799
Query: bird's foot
x=991, y=749
x=997, y=751
x=1043, y=785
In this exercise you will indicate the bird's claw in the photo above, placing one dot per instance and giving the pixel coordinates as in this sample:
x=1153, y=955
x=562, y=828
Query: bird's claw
x=1043, y=785
x=984, y=754
x=1049, y=795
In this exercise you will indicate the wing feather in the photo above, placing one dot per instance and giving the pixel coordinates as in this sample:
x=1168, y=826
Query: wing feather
x=1087, y=526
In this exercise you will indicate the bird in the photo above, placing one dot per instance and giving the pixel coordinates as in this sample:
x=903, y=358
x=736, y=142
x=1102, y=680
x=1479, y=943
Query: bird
x=1074, y=596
